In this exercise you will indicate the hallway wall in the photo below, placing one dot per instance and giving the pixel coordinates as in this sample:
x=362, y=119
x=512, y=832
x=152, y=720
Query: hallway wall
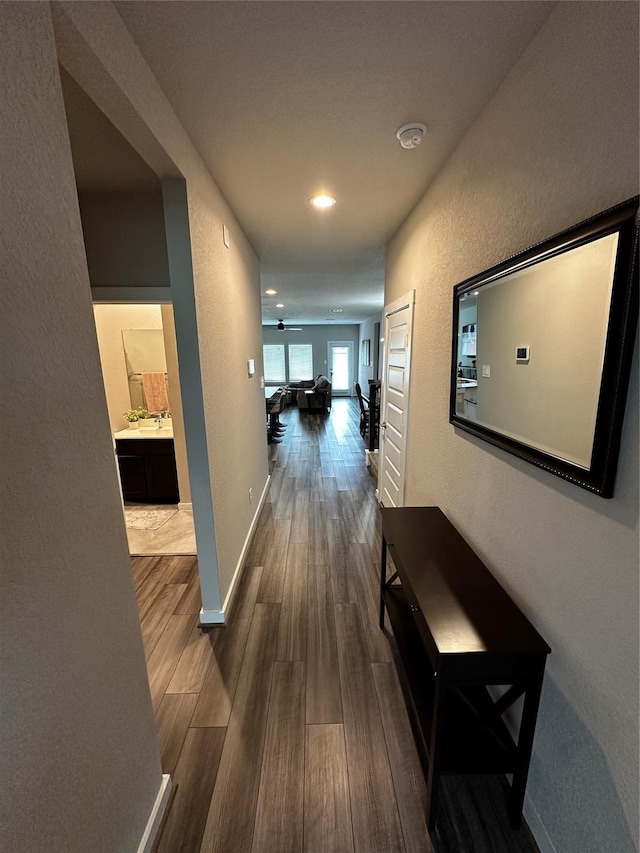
x=79, y=759
x=557, y=143
x=227, y=451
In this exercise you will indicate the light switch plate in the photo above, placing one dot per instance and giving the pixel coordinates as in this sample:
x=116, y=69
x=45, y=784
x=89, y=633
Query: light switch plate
x=486, y=371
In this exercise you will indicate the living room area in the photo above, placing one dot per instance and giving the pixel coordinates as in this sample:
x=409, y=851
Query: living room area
x=309, y=366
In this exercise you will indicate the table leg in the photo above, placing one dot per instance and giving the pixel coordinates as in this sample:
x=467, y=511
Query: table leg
x=435, y=752
x=525, y=742
x=383, y=579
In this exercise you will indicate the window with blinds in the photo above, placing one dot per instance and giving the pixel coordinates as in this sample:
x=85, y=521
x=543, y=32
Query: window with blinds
x=274, y=370
x=300, y=362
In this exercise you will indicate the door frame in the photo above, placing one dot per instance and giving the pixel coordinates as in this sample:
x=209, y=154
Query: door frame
x=349, y=344
x=406, y=301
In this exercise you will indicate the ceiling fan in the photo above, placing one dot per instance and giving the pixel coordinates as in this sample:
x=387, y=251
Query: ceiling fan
x=282, y=328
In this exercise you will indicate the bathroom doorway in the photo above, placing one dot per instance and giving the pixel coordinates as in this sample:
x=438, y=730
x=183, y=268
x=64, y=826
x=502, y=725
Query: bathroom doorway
x=139, y=362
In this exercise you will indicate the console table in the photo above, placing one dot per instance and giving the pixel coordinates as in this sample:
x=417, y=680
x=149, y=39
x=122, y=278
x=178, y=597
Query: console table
x=458, y=632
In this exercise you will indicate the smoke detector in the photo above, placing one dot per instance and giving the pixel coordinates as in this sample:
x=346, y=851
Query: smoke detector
x=410, y=135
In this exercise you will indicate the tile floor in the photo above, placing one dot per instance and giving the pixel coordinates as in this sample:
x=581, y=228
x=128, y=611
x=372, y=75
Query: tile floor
x=175, y=536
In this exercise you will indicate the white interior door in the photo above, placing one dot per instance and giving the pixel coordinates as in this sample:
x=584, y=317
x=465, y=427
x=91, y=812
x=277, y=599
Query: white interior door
x=340, y=361
x=394, y=405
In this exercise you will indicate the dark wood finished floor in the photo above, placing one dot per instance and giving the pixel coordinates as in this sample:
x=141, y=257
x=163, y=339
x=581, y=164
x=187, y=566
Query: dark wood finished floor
x=285, y=730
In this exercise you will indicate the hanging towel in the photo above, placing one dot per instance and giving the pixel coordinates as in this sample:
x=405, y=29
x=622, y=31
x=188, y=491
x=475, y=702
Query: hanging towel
x=155, y=392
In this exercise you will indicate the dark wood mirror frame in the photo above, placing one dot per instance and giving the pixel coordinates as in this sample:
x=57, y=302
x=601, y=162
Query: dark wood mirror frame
x=599, y=477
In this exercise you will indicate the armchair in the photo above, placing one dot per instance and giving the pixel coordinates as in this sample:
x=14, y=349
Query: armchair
x=316, y=398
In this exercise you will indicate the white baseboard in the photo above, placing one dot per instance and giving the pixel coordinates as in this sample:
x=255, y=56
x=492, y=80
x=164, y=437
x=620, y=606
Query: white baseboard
x=211, y=617
x=217, y=617
x=187, y=506
x=157, y=813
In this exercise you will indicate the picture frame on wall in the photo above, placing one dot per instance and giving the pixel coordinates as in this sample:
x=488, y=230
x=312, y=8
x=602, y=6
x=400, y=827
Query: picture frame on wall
x=365, y=353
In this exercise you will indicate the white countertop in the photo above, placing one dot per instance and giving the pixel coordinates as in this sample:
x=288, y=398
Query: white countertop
x=145, y=432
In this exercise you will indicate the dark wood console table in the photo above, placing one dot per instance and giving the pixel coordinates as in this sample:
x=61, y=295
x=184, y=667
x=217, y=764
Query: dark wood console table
x=458, y=632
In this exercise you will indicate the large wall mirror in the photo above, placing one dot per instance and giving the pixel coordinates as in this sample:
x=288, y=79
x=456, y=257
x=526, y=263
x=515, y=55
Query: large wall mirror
x=542, y=347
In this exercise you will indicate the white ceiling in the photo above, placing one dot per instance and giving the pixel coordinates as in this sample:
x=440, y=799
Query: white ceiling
x=286, y=99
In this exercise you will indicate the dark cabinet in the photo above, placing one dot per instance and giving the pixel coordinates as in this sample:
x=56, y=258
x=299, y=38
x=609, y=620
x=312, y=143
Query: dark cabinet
x=148, y=470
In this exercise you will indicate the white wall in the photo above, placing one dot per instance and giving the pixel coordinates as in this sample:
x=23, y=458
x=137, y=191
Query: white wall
x=79, y=759
x=227, y=444
x=557, y=144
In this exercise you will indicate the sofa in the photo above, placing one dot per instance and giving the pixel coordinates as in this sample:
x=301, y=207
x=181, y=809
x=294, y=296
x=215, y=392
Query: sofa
x=317, y=398
x=295, y=387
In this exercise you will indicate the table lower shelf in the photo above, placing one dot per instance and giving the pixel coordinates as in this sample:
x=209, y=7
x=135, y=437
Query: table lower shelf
x=475, y=740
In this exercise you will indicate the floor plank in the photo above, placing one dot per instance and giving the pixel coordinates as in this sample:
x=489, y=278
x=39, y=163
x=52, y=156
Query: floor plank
x=230, y=822
x=279, y=814
x=273, y=565
x=323, y=701
x=358, y=557
x=376, y=824
x=194, y=662
x=292, y=631
x=155, y=621
x=318, y=541
x=327, y=808
x=194, y=779
x=300, y=518
x=165, y=656
x=220, y=683
x=408, y=780
x=172, y=723
x=191, y=601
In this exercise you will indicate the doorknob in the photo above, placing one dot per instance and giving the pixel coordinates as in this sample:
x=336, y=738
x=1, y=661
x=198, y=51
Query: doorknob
x=383, y=425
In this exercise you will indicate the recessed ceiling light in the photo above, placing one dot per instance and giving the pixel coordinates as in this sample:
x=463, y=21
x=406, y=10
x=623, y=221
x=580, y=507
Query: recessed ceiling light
x=322, y=201
x=279, y=305
x=271, y=292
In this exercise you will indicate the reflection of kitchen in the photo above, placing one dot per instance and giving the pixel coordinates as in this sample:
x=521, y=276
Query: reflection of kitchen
x=467, y=375
x=140, y=371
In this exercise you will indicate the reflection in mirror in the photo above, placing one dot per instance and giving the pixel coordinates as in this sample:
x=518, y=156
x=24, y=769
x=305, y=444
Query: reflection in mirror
x=144, y=353
x=530, y=340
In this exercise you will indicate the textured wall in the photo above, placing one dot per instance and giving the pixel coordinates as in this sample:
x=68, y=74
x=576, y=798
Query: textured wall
x=96, y=48
x=79, y=759
x=124, y=239
x=557, y=143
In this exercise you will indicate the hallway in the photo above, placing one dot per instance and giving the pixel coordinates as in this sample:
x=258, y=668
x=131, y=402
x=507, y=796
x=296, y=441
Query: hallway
x=286, y=729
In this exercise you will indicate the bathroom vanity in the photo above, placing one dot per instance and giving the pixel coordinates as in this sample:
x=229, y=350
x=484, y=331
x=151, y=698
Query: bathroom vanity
x=147, y=464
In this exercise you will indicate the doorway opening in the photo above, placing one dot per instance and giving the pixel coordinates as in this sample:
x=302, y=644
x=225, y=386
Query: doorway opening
x=140, y=374
x=340, y=366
